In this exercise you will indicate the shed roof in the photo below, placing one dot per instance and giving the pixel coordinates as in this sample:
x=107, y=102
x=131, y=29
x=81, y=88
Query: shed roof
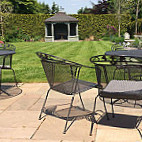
x=61, y=17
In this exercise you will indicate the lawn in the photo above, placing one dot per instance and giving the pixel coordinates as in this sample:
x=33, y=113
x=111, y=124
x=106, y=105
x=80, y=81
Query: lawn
x=28, y=67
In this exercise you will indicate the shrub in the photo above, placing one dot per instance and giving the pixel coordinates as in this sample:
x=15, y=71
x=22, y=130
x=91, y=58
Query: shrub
x=15, y=34
x=37, y=38
x=117, y=39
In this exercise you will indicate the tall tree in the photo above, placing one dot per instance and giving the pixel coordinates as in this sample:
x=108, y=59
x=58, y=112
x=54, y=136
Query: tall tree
x=83, y=10
x=137, y=14
x=24, y=6
x=54, y=8
x=100, y=8
x=44, y=8
x=5, y=7
x=120, y=7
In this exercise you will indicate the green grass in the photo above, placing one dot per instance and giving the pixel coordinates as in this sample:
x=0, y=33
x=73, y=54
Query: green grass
x=28, y=67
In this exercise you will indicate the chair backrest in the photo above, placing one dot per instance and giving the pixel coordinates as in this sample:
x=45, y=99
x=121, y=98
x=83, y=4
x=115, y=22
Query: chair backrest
x=116, y=47
x=116, y=68
x=6, y=60
x=58, y=70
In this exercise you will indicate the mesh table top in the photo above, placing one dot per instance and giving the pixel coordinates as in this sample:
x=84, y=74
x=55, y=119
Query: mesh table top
x=128, y=53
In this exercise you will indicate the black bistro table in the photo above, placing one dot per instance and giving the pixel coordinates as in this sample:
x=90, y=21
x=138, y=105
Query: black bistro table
x=4, y=53
x=126, y=53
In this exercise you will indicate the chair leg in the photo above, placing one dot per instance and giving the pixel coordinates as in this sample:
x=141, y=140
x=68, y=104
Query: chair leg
x=42, y=109
x=14, y=76
x=81, y=101
x=105, y=109
x=66, y=128
x=112, y=108
x=93, y=120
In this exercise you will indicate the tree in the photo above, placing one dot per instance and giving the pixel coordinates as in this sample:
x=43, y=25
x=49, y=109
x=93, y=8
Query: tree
x=5, y=7
x=83, y=10
x=119, y=7
x=54, y=8
x=44, y=8
x=137, y=15
x=100, y=8
x=132, y=7
x=24, y=6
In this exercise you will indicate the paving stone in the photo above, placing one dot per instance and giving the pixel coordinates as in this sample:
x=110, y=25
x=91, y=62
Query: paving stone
x=4, y=104
x=25, y=140
x=10, y=133
x=52, y=129
x=119, y=135
x=19, y=119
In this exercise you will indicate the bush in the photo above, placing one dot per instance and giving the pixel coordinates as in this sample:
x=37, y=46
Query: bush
x=106, y=38
x=137, y=43
x=37, y=38
x=15, y=34
x=117, y=39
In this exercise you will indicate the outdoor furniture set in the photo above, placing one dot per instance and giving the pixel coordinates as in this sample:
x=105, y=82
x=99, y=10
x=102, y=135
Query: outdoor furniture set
x=119, y=80
x=118, y=74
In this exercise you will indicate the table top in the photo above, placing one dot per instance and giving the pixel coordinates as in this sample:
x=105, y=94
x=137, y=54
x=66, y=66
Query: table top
x=128, y=53
x=6, y=52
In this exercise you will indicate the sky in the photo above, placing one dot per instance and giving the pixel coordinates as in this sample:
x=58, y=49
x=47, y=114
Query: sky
x=70, y=6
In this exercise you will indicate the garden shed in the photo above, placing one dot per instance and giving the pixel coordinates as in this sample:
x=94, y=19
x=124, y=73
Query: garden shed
x=61, y=27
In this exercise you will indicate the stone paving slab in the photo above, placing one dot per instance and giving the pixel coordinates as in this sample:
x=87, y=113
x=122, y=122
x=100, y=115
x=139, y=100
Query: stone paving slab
x=52, y=129
x=26, y=140
x=119, y=135
x=12, y=133
x=4, y=104
x=19, y=119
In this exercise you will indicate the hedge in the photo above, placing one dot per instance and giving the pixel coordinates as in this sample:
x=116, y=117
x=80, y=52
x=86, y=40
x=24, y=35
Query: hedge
x=89, y=24
x=96, y=25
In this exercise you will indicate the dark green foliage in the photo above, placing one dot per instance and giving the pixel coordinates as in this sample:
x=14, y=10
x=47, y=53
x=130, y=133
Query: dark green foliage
x=31, y=24
x=89, y=24
x=54, y=8
x=24, y=6
x=15, y=34
x=96, y=25
x=44, y=8
x=83, y=10
x=131, y=27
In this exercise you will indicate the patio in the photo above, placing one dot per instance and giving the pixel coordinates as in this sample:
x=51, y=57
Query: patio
x=19, y=120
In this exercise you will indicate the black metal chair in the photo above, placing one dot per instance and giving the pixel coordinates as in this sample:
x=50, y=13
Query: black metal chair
x=119, y=80
x=63, y=77
x=116, y=47
x=6, y=60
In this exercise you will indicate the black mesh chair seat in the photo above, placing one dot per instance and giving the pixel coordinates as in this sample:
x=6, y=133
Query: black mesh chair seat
x=123, y=89
x=70, y=88
x=63, y=77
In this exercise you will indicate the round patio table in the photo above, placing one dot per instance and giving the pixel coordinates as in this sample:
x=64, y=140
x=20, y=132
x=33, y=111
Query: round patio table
x=6, y=88
x=128, y=53
x=6, y=52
